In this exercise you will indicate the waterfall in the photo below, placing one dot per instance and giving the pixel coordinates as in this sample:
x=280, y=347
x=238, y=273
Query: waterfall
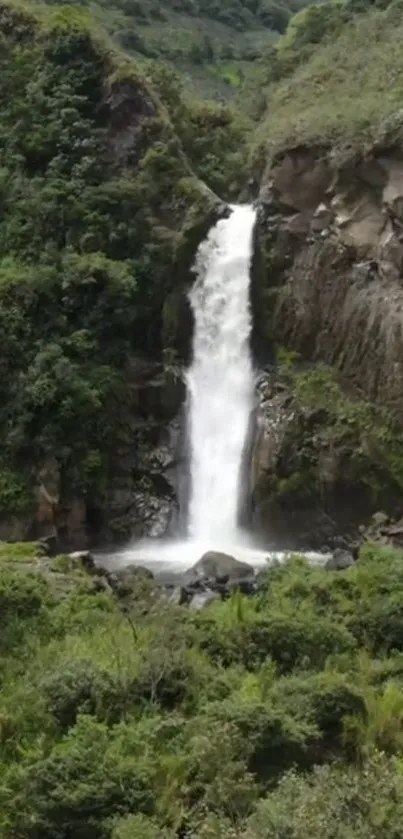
x=220, y=381
x=221, y=396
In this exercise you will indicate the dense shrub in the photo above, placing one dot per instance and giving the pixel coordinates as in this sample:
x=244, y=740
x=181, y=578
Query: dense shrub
x=334, y=801
x=140, y=827
x=93, y=239
x=79, y=687
x=289, y=640
x=23, y=607
x=140, y=718
x=86, y=779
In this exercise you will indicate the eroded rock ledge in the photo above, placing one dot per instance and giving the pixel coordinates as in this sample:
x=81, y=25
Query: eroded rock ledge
x=332, y=239
x=329, y=274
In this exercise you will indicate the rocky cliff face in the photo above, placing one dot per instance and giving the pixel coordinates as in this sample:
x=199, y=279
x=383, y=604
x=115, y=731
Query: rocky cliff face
x=331, y=240
x=334, y=242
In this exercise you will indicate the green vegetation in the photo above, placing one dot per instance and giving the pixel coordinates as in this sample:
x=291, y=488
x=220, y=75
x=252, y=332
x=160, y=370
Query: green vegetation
x=123, y=716
x=148, y=720
x=212, y=42
x=332, y=79
x=101, y=212
x=337, y=439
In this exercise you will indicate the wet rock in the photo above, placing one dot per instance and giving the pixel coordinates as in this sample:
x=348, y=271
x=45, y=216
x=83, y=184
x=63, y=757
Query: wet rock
x=101, y=585
x=247, y=585
x=72, y=526
x=322, y=218
x=129, y=108
x=384, y=530
x=220, y=567
x=47, y=493
x=322, y=303
x=340, y=561
x=84, y=558
x=219, y=574
x=49, y=544
x=179, y=596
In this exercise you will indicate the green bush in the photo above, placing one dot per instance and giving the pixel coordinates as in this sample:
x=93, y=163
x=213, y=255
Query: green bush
x=158, y=721
x=140, y=827
x=325, y=701
x=347, y=81
x=334, y=801
x=289, y=640
x=272, y=739
x=80, y=687
x=24, y=598
x=86, y=779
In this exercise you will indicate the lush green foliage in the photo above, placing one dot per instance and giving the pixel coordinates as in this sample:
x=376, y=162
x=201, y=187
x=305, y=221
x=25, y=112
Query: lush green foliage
x=358, y=441
x=212, y=41
x=100, y=214
x=334, y=77
x=153, y=721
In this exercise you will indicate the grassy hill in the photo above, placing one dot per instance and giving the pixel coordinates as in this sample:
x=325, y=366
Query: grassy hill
x=212, y=43
x=334, y=78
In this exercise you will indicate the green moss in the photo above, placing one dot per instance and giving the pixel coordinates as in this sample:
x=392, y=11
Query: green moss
x=64, y=564
x=20, y=550
x=16, y=495
x=366, y=439
x=302, y=484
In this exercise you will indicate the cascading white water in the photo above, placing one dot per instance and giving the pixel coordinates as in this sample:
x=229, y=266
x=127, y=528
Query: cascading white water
x=220, y=380
x=221, y=397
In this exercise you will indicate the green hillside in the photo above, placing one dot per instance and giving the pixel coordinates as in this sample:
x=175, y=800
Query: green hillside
x=334, y=77
x=211, y=43
x=101, y=211
x=126, y=711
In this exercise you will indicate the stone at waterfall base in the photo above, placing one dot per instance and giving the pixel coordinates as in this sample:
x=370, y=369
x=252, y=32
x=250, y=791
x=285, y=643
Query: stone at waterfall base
x=340, y=560
x=215, y=576
x=221, y=567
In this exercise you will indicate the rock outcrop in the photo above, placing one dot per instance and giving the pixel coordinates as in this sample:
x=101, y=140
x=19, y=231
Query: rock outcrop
x=215, y=565
x=329, y=277
x=333, y=239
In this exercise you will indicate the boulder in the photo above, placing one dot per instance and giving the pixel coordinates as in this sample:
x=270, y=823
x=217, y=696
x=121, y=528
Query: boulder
x=85, y=559
x=220, y=567
x=340, y=560
x=49, y=544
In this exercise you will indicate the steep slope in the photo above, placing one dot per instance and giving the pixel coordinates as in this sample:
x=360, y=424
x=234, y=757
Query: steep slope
x=100, y=216
x=334, y=79
x=212, y=43
x=329, y=158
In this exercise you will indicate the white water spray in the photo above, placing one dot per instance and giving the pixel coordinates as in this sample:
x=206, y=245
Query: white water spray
x=220, y=385
x=220, y=380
